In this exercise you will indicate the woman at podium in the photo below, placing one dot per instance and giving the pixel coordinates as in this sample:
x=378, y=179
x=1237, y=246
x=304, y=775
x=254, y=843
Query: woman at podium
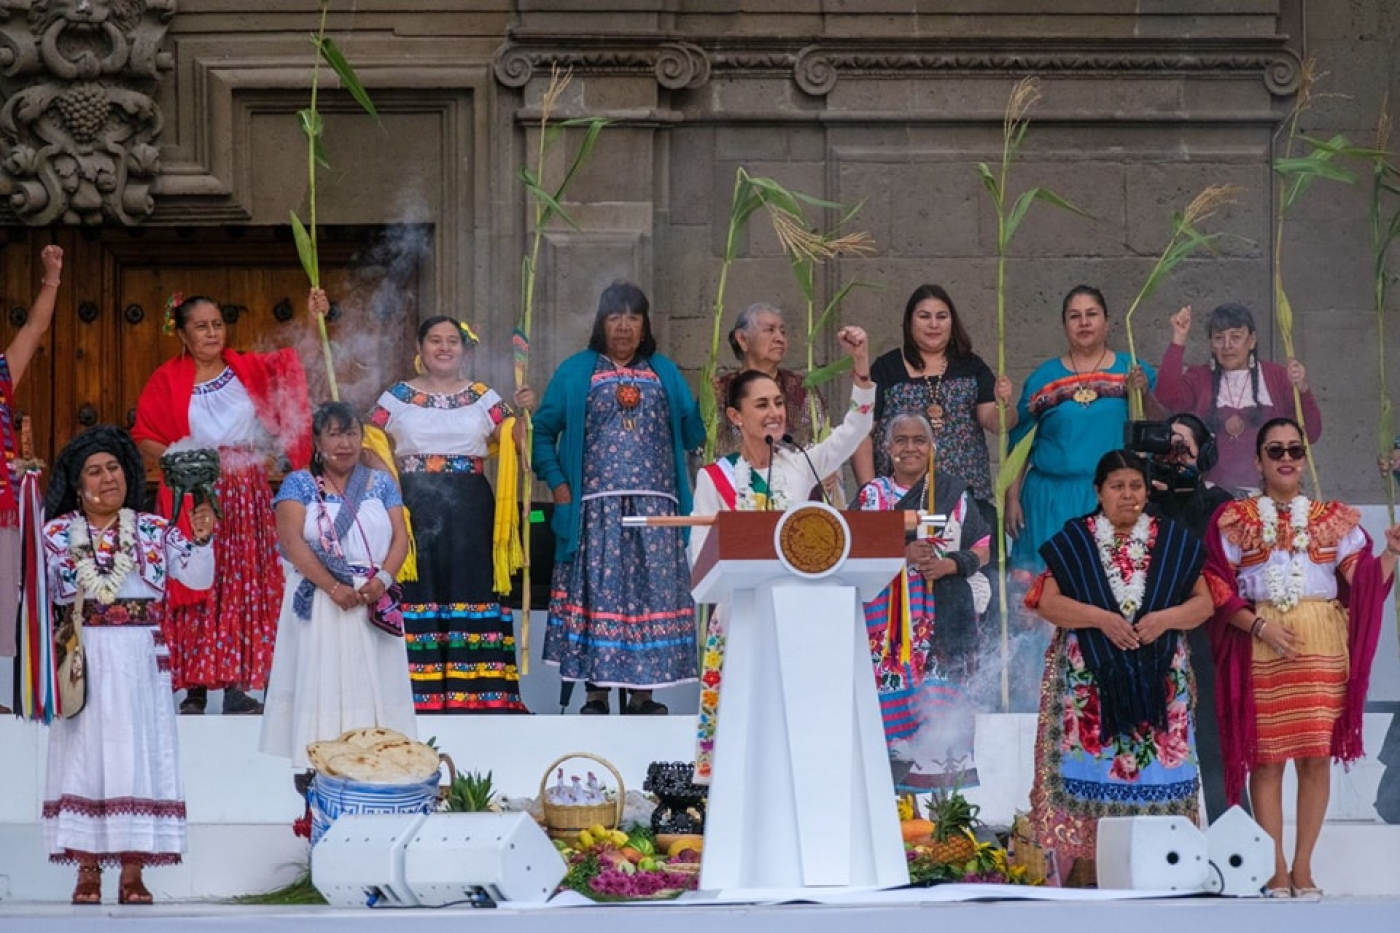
x=1115, y=734
x=768, y=472
x=926, y=657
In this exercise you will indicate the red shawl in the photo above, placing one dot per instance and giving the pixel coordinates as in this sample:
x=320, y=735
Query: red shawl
x=275, y=381
x=1232, y=648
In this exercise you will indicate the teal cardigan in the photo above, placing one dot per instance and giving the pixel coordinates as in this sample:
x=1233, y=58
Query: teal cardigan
x=557, y=453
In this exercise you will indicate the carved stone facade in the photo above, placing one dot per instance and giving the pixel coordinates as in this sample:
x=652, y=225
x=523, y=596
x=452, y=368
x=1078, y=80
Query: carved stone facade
x=79, y=126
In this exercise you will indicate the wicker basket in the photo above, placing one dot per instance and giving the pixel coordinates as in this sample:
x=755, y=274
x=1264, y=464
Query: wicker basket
x=567, y=819
x=1025, y=852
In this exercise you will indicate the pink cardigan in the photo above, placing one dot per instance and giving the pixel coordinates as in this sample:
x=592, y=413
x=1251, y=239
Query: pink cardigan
x=1182, y=388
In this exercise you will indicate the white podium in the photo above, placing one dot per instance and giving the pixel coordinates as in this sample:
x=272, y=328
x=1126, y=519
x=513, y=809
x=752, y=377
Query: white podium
x=800, y=793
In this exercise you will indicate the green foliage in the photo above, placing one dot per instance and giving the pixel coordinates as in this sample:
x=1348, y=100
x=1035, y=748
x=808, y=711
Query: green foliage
x=472, y=792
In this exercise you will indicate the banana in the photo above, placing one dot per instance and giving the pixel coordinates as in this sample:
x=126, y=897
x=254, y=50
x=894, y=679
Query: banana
x=585, y=839
x=617, y=837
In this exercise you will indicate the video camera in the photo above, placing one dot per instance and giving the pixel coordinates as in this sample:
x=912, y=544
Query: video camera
x=1163, y=452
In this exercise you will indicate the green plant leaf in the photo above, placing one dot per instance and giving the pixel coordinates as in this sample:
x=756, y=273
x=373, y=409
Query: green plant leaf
x=306, y=250
x=989, y=181
x=805, y=272
x=824, y=374
x=552, y=208
x=1385, y=428
x=831, y=306
x=1014, y=463
x=585, y=149
x=332, y=56
x=1023, y=205
x=314, y=129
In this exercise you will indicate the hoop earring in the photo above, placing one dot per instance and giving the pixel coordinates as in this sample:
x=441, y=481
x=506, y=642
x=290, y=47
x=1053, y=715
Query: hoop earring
x=418, y=363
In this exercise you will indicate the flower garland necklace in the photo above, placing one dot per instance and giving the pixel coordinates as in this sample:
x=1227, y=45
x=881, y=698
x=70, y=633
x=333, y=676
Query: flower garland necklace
x=1285, y=592
x=1128, y=587
x=746, y=499
x=103, y=584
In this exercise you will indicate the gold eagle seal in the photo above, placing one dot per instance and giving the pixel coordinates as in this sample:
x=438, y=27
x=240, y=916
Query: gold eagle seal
x=813, y=539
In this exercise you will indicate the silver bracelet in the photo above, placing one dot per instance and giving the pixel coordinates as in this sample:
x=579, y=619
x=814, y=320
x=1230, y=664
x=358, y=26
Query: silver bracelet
x=385, y=577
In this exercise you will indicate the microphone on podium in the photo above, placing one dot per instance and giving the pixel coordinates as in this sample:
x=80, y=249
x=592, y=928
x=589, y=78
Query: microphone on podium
x=789, y=441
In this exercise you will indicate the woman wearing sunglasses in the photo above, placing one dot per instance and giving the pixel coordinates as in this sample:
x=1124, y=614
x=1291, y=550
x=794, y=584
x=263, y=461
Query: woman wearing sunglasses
x=1292, y=661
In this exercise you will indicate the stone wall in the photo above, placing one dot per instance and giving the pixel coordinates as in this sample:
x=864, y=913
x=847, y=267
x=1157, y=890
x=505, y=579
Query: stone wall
x=888, y=103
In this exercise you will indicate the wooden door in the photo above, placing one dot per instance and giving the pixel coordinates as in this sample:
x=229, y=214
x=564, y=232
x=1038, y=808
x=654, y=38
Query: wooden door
x=107, y=335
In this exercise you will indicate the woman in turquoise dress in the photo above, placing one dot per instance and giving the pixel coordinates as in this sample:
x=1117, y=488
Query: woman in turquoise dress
x=1078, y=404
x=611, y=437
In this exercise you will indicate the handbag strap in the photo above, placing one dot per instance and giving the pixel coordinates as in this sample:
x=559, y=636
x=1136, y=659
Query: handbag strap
x=78, y=615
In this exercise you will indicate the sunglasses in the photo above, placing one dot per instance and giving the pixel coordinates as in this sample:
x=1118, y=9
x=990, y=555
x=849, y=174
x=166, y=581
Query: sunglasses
x=1279, y=451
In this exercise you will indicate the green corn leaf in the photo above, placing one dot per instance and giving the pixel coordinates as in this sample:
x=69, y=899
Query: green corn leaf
x=824, y=374
x=805, y=272
x=1029, y=197
x=989, y=181
x=306, y=251
x=330, y=52
x=585, y=149
x=786, y=199
x=552, y=208
x=829, y=312
x=314, y=129
x=1014, y=463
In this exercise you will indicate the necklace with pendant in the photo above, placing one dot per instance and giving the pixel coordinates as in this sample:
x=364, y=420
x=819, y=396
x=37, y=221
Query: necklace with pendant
x=628, y=395
x=935, y=410
x=1085, y=393
x=1235, y=424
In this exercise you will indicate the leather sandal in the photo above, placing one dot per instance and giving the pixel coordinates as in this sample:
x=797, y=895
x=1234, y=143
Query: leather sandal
x=133, y=892
x=89, y=888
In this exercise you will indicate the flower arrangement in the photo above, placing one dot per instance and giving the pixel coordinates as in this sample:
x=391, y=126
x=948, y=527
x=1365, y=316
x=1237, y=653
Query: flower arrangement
x=1286, y=590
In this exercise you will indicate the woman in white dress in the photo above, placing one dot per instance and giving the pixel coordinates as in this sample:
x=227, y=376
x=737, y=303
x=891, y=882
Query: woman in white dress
x=766, y=474
x=113, y=794
x=342, y=533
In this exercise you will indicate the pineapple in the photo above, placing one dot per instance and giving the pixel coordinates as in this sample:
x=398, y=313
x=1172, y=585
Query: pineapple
x=953, y=818
x=471, y=793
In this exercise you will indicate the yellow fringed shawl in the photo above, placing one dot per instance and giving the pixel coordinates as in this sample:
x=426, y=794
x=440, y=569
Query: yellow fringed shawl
x=377, y=443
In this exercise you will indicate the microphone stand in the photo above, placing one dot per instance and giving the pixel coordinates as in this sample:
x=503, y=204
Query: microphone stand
x=788, y=440
x=768, y=480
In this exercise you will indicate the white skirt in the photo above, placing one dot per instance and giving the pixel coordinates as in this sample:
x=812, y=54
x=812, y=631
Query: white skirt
x=113, y=790
x=330, y=674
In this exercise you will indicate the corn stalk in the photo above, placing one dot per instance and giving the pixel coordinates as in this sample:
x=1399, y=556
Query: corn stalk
x=547, y=202
x=1185, y=240
x=804, y=247
x=314, y=129
x=1024, y=96
x=1384, y=232
x=1297, y=174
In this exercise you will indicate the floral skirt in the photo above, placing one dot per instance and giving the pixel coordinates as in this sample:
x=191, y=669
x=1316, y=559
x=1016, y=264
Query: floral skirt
x=1081, y=777
x=620, y=612
x=1297, y=700
x=225, y=638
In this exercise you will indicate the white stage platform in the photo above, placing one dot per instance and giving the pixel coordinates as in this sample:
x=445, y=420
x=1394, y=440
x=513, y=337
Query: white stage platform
x=241, y=803
x=1200, y=915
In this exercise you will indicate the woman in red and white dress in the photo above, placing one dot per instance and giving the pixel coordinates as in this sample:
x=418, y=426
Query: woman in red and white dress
x=252, y=408
x=1292, y=661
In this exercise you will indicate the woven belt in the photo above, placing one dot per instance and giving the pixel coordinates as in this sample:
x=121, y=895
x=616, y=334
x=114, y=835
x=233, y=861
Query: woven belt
x=441, y=463
x=123, y=612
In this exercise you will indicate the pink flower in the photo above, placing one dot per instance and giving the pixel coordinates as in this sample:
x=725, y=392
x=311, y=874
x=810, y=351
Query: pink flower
x=1087, y=700
x=1172, y=747
x=1125, y=767
x=1069, y=724
x=1075, y=656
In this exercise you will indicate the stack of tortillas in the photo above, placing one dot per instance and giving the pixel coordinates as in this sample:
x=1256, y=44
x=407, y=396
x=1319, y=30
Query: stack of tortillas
x=374, y=756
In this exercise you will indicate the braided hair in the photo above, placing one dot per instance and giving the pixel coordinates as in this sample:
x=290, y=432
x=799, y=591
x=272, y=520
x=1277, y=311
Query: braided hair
x=1228, y=317
x=67, y=476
